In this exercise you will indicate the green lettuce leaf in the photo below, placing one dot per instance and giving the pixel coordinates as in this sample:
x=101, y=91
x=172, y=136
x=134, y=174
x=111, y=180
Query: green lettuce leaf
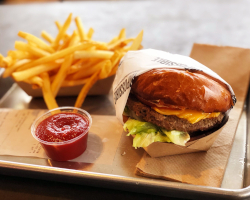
x=146, y=133
x=177, y=137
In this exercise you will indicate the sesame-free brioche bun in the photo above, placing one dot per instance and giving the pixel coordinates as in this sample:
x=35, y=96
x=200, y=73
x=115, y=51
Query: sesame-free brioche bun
x=181, y=89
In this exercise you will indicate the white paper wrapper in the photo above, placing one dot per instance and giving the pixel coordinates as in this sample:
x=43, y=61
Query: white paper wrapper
x=135, y=63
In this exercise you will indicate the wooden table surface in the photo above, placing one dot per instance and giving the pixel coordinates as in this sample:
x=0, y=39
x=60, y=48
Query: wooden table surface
x=168, y=25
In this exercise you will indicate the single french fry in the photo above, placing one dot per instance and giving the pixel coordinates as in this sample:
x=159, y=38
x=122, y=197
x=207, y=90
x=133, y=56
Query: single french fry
x=10, y=54
x=15, y=66
x=113, y=40
x=19, y=55
x=32, y=44
x=47, y=94
x=21, y=46
x=5, y=62
x=74, y=39
x=122, y=34
x=85, y=89
x=115, y=62
x=31, y=38
x=93, y=54
x=35, y=81
x=58, y=55
x=120, y=43
x=115, y=58
x=22, y=34
x=90, y=33
x=47, y=37
x=80, y=29
x=70, y=83
x=8, y=60
x=61, y=74
x=28, y=73
x=58, y=25
x=105, y=70
x=2, y=62
x=127, y=48
x=137, y=42
x=62, y=31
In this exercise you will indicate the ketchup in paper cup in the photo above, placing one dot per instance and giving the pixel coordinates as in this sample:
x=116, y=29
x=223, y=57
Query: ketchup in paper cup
x=63, y=132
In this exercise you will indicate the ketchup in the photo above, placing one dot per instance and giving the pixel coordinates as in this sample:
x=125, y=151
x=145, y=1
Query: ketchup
x=63, y=135
x=62, y=127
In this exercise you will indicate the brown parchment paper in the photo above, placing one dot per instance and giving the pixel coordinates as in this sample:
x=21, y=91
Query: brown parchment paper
x=16, y=139
x=207, y=168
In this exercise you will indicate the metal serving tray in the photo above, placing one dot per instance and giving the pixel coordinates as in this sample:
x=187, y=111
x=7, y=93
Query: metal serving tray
x=235, y=184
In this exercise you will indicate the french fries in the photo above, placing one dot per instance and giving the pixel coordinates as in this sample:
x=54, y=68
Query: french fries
x=81, y=31
x=66, y=60
x=62, y=31
x=47, y=37
x=60, y=76
x=93, y=54
x=83, y=93
x=47, y=93
x=41, y=44
x=35, y=81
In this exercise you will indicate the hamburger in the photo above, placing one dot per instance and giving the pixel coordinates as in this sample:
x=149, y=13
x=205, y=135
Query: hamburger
x=175, y=105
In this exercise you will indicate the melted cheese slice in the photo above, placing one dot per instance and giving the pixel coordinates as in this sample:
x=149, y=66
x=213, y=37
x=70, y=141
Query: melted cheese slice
x=191, y=115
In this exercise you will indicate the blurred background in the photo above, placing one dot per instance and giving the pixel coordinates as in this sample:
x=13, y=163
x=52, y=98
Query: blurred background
x=23, y=1
x=29, y=1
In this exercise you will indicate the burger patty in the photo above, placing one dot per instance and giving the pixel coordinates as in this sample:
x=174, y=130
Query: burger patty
x=170, y=122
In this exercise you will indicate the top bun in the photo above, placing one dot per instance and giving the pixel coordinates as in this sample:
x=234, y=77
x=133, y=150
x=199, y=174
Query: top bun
x=180, y=89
